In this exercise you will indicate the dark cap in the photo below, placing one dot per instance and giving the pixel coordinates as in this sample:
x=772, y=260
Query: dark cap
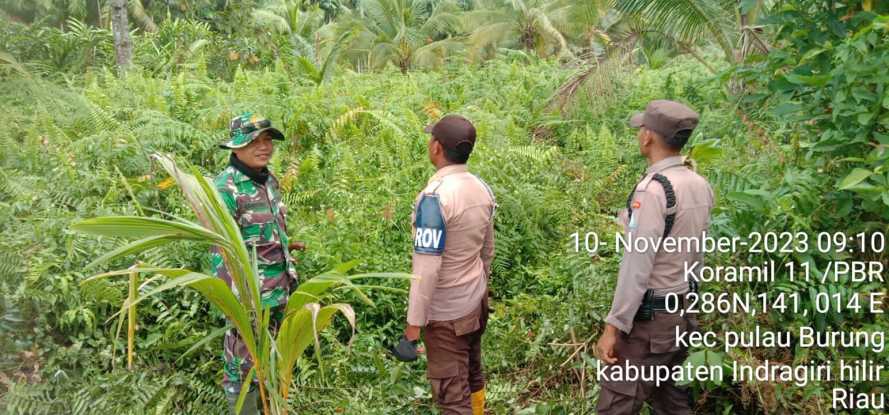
x=453, y=132
x=665, y=118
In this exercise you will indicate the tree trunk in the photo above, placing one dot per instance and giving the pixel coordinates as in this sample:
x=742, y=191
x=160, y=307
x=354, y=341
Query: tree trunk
x=123, y=46
x=92, y=13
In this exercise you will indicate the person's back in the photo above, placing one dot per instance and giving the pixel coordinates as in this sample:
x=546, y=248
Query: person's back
x=694, y=199
x=669, y=204
x=453, y=224
x=467, y=206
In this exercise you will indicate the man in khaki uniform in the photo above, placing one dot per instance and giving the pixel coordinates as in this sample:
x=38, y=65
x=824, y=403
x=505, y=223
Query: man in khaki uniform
x=453, y=230
x=670, y=201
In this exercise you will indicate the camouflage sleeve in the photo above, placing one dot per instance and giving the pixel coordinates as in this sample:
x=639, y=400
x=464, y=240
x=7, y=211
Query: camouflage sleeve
x=229, y=200
x=217, y=265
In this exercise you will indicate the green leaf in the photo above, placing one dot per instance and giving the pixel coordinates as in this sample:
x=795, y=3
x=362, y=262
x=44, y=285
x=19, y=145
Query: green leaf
x=313, y=289
x=753, y=198
x=245, y=387
x=299, y=330
x=10, y=61
x=786, y=108
x=208, y=338
x=134, y=248
x=686, y=20
x=703, y=358
x=809, y=80
x=811, y=54
x=865, y=117
x=168, y=272
x=142, y=227
x=747, y=5
x=857, y=176
x=216, y=291
x=706, y=152
x=346, y=266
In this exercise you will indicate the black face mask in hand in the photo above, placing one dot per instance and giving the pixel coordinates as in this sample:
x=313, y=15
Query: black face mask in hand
x=405, y=350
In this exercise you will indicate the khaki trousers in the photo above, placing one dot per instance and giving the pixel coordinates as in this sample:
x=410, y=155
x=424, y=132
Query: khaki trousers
x=454, y=353
x=649, y=343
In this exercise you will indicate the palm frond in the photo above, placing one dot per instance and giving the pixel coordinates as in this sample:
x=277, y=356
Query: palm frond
x=434, y=54
x=546, y=28
x=270, y=20
x=332, y=56
x=502, y=34
x=686, y=20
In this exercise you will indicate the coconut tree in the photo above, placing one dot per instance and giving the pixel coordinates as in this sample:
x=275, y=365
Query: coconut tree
x=293, y=18
x=543, y=26
x=301, y=23
x=726, y=23
x=274, y=354
x=406, y=33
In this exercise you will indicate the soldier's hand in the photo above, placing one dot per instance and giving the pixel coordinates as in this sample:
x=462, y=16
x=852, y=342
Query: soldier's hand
x=296, y=246
x=605, y=345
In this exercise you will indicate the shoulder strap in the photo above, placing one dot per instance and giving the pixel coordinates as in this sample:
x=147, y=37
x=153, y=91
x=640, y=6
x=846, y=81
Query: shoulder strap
x=435, y=185
x=490, y=194
x=671, y=202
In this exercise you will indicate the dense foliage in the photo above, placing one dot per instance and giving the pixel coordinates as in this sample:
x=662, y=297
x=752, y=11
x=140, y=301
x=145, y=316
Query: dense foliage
x=793, y=138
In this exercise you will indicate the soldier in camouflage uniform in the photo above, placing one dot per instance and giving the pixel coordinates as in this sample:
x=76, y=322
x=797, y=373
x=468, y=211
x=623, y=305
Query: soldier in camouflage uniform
x=252, y=196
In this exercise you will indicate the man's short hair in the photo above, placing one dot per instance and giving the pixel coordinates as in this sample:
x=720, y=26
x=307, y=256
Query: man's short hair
x=459, y=155
x=456, y=135
x=678, y=140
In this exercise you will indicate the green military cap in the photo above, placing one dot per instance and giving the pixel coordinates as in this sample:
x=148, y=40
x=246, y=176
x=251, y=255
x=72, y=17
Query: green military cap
x=245, y=127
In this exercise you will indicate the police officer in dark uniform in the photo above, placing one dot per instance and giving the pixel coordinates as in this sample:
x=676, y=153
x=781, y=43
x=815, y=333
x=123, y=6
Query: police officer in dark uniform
x=671, y=200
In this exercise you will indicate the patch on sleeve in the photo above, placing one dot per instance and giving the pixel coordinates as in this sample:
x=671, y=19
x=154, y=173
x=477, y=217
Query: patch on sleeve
x=634, y=219
x=634, y=222
x=430, y=226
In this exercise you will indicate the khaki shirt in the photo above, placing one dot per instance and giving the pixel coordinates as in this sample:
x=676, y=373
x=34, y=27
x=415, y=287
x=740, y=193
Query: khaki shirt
x=453, y=232
x=662, y=271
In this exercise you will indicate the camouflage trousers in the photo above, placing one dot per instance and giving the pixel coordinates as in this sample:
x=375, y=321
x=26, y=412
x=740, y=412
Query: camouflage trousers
x=236, y=358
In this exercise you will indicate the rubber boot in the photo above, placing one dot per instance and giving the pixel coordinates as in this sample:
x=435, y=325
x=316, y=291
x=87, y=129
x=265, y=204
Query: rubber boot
x=250, y=402
x=478, y=402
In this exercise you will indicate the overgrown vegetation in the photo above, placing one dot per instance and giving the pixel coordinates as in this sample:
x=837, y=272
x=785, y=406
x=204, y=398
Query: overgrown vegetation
x=793, y=137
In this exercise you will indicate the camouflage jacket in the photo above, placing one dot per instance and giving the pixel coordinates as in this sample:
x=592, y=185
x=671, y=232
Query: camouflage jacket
x=261, y=215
